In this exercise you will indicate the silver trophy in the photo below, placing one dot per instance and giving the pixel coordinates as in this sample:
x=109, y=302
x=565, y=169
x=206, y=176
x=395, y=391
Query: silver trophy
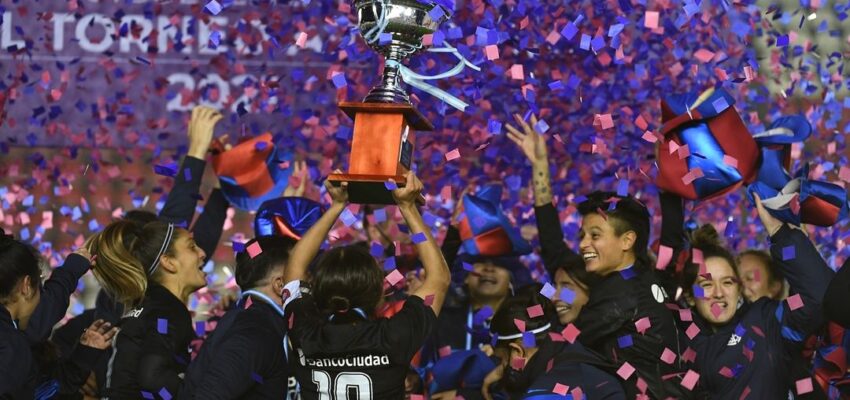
x=407, y=21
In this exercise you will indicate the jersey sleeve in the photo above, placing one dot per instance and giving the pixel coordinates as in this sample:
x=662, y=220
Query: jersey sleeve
x=407, y=330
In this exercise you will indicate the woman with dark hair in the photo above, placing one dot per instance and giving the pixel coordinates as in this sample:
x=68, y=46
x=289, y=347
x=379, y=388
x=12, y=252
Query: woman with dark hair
x=752, y=349
x=627, y=305
x=760, y=276
x=152, y=270
x=244, y=357
x=21, y=375
x=536, y=366
x=338, y=347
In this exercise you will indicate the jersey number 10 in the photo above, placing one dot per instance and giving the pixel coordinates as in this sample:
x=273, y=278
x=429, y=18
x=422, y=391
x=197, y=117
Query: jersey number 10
x=344, y=382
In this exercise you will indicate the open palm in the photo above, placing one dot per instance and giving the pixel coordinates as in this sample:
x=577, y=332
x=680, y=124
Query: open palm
x=533, y=145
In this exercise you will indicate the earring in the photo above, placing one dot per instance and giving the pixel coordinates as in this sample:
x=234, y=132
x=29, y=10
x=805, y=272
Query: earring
x=740, y=302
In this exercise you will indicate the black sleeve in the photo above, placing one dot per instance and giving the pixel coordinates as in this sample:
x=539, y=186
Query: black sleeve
x=451, y=245
x=244, y=351
x=408, y=329
x=208, y=228
x=672, y=236
x=554, y=252
x=72, y=373
x=835, y=299
x=68, y=335
x=16, y=364
x=179, y=208
x=807, y=275
x=56, y=297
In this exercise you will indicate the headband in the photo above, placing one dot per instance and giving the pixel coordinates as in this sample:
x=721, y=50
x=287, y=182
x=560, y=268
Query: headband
x=543, y=328
x=168, y=235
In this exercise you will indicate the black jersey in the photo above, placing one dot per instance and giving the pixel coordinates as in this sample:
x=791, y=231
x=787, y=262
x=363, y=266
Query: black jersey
x=361, y=359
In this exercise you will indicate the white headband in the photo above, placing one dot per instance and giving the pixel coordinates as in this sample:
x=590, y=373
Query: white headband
x=168, y=234
x=543, y=328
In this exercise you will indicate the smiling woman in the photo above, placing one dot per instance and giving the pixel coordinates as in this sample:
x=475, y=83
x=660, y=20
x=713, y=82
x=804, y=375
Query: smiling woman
x=711, y=282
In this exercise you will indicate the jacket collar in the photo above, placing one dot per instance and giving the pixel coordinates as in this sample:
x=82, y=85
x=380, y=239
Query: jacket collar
x=6, y=317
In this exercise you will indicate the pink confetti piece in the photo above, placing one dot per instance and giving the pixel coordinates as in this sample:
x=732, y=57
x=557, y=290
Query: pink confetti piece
x=570, y=333
x=394, y=277
x=804, y=386
x=302, y=40
x=690, y=379
x=716, y=310
x=492, y=52
x=518, y=363
x=445, y=351
x=649, y=137
x=651, y=19
x=606, y=121
x=704, y=55
x=665, y=255
x=452, y=155
x=691, y=176
x=795, y=302
x=535, y=311
x=692, y=331
x=726, y=372
x=520, y=324
x=668, y=356
x=517, y=72
x=642, y=325
x=254, y=249
x=625, y=371
x=560, y=389
x=730, y=161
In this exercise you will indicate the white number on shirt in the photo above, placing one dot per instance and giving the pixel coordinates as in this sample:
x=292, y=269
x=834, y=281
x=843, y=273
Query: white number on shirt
x=342, y=384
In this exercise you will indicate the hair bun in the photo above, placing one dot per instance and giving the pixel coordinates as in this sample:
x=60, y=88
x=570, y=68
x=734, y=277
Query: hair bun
x=339, y=304
x=705, y=235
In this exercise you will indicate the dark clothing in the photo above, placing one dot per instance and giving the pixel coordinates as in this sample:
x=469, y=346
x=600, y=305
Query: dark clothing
x=152, y=348
x=66, y=336
x=207, y=229
x=462, y=328
x=571, y=366
x=553, y=251
x=756, y=348
x=615, y=305
x=21, y=376
x=243, y=358
x=836, y=298
x=55, y=297
x=369, y=357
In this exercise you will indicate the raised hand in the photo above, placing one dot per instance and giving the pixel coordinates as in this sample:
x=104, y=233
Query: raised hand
x=99, y=335
x=339, y=194
x=410, y=193
x=201, y=127
x=533, y=145
x=300, y=171
x=771, y=224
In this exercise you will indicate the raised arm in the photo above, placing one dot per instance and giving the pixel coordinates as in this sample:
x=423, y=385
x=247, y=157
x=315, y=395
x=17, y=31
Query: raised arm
x=180, y=205
x=554, y=252
x=57, y=295
x=307, y=248
x=807, y=274
x=437, y=275
x=208, y=227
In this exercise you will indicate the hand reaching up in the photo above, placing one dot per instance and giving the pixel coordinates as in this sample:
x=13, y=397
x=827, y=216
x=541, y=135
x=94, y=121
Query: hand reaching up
x=339, y=194
x=533, y=145
x=410, y=193
x=201, y=127
x=99, y=335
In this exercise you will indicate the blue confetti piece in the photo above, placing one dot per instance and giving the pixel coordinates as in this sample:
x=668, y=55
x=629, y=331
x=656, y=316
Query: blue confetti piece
x=740, y=330
x=528, y=340
x=556, y=85
x=385, y=38
x=162, y=326
x=569, y=31
x=339, y=81
x=213, y=7
x=468, y=267
x=698, y=292
x=585, y=42
x=541, y=126
x=720, y=104
x=419, y=238
x=782, y=41
x=380, y=215
x=260, y=146
x=257, y=378
x=200, y=328
x=625, y=341
x=376, y=250
x=187, y=174
x=567, y=295
x=344, y=132
x=148, y=395
x=238, y=247
x=436, y=13
x=390, y=185
x=628, y=273
x=482, y=315
x=348, y=218
x=494, y=127
x=25, y=234
x=597, y=43
x=789, y=253
x=165, y=394
x=165, y=169
x=623, y=187
x=438, y=38
x=615, y=30
x=215, y=39
x=93, y=225
x=390, y=264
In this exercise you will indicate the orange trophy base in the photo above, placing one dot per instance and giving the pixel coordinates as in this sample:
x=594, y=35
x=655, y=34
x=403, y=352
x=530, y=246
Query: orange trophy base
x=381, y=149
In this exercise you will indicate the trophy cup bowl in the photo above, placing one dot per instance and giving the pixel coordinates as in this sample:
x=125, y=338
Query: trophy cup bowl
x=407, y=21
